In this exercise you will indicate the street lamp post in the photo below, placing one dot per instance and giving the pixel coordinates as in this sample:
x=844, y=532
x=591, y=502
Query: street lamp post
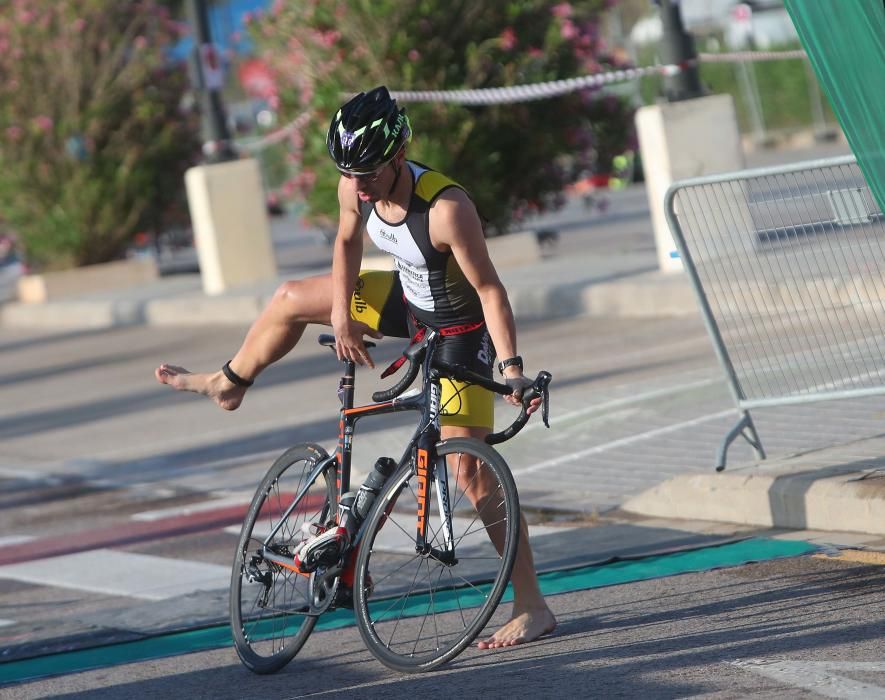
x=209, y=83
x=677, y=48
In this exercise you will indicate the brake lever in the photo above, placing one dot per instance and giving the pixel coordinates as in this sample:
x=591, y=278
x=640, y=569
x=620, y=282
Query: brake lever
x=542, y=386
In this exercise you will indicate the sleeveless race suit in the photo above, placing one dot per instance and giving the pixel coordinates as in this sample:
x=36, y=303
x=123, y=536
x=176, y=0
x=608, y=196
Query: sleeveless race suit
x=427, y=288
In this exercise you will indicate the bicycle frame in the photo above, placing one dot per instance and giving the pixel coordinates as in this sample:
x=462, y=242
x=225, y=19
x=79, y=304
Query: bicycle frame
x=421, y=448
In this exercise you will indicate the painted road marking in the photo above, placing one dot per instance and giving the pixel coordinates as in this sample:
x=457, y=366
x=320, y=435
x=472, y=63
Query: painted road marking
x=209, y=504
x=626, y=401
x=564, y=459
x=132, y=532
x=862, y=556
x=122, y=574
x=821, y=677
x=6, y=623
x=14, y=539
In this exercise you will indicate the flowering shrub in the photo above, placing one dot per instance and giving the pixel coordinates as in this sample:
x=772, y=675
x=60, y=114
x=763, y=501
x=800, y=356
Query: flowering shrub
x=514, y=158
x=91, y=146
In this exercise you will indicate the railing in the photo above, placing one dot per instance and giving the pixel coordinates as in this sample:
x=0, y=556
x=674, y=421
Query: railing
x=788, y=265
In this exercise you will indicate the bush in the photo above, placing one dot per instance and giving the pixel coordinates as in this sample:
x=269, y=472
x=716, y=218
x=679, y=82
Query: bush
x=92, y=148
x=513, y=158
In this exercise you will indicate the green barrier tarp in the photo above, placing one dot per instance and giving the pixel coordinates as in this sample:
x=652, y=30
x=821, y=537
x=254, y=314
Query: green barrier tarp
x=845, y=42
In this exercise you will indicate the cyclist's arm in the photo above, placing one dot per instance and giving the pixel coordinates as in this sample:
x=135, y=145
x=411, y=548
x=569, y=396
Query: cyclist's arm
x=455, y=224
x=347, y=254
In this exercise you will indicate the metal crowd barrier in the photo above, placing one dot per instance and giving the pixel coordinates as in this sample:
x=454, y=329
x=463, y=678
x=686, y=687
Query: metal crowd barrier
x=788, y=265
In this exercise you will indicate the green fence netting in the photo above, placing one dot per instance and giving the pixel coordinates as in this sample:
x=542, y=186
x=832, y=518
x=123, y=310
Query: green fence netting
x=845, y=41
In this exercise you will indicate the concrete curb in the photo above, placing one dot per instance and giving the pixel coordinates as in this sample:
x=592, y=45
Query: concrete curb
x=637, y=296
x=852, y=501
x=641, y=296
x=73, y=315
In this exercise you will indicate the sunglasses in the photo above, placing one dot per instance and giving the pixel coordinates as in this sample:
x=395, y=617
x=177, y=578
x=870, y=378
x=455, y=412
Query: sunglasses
x=370, y=176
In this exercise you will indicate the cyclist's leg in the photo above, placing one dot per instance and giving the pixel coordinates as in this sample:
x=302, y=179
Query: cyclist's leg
x=273, y=334
x=280, y=326
x=531, y=617
x=470, y=413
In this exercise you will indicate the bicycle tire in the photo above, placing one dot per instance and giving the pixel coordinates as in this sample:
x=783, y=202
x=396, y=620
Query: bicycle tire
x=388, y=603
x=268, y=637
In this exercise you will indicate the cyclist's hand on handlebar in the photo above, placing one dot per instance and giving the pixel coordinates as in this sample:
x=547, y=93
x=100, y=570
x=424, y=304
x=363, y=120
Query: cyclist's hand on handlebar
x=519, y=383
x=349, y=341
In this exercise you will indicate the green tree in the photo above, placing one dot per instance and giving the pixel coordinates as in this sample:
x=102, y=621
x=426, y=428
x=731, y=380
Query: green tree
x=513, y=158
x=92, y=146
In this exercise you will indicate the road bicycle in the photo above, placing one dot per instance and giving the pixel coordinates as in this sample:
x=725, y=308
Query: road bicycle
x=425, y=567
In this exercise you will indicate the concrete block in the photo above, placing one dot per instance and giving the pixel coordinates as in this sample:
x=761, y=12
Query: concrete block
x=848, y=502
x=64, y=284
x=679, y=140
x=641, y=296
x=231, y=230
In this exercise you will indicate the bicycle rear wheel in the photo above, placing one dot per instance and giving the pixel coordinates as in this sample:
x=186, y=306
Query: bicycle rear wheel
x=416, y=611
x=267, y=600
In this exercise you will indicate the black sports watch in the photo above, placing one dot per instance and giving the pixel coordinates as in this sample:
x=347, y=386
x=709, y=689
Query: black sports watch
x=515, y=361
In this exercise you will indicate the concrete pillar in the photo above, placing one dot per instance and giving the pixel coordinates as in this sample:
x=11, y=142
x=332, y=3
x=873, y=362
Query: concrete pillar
x=231, y=230
x=679, y=140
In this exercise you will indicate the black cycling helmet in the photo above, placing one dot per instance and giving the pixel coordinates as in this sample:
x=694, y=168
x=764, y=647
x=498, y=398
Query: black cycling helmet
x=367, y=132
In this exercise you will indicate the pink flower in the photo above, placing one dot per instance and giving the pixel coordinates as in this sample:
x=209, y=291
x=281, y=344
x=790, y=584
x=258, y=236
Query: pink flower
x=508, y=39
x=562, y=10
x=568, y=30
x=43, y=122
x=79, y=25
x=14, y=133
x=278, y=7
x=140, y=42
x=328, y=39
x=414, y=55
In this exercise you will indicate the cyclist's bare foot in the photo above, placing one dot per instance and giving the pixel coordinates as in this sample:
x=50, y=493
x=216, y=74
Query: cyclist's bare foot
x=523, y=627
x=212, y=384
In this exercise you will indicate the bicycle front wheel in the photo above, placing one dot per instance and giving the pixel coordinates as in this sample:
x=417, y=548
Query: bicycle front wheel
x=268, y=602
x=417, y=610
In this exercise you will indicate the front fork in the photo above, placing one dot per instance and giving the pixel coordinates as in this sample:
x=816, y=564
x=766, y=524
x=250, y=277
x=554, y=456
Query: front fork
x=431, y=468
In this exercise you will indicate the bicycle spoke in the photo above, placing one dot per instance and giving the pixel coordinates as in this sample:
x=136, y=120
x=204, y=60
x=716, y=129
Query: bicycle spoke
x=413, y=557
x=405, y=599
x=268, y=617
x=428, y=606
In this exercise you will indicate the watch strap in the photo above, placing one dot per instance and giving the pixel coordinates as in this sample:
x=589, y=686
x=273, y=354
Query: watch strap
x=515, y=361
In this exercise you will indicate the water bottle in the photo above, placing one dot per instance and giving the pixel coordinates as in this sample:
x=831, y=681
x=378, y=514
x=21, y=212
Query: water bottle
x=370, y=489
x=347, y=516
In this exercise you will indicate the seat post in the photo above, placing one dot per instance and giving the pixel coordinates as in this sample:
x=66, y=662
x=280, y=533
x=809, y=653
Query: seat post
x=346, y=385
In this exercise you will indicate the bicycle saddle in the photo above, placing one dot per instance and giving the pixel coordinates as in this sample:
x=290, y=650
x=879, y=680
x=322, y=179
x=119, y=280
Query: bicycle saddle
x=328, y=340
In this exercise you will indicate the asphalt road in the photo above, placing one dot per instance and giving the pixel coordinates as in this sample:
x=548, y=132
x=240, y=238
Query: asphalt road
x=794, y=628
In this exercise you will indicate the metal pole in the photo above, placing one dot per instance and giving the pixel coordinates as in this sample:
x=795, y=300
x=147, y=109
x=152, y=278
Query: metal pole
x=206, y=68
x=747, y=81
x=677, y=48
